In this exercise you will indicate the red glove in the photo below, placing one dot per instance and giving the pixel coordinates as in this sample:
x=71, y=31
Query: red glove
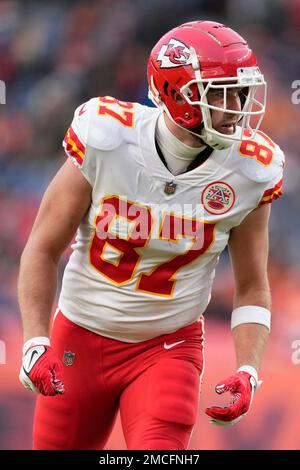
x=41, y=370
x=242, y=386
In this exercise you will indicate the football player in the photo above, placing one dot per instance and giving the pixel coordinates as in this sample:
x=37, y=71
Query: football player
x=154, y=196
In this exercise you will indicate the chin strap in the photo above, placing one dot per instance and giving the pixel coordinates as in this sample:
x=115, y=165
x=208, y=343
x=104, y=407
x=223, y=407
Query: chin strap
x=216, y=142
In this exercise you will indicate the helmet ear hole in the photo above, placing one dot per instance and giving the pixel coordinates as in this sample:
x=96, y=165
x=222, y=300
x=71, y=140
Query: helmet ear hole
x=177, y=97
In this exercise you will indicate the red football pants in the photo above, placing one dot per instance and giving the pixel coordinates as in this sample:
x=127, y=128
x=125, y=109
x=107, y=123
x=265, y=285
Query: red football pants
x=156, y=389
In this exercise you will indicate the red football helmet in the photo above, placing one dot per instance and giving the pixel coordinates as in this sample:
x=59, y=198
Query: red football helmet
x=199, y=56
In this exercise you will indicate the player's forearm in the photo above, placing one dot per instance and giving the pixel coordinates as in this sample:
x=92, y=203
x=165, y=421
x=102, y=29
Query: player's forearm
x=259, y=295
x=250, y=338
x=36, y=292
x=250, y=341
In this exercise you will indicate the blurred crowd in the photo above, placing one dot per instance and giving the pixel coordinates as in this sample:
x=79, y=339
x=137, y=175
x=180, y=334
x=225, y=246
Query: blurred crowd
x=56, y=55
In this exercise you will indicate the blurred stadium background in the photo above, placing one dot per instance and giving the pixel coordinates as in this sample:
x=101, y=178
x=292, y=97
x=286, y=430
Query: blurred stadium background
x=54, y=56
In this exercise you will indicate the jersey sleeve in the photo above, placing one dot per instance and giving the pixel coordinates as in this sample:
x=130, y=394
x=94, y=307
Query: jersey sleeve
x=97, y=128
x=275, y=185
x=76, y=141
x=261, y=161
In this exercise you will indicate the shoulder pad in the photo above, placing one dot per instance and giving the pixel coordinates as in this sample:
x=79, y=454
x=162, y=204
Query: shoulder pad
x=259, y=158
x=101, y=122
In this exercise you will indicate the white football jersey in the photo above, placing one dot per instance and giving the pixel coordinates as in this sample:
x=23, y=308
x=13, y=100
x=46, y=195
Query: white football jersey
x=145, y=253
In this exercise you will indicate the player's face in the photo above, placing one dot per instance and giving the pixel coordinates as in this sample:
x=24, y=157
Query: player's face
x=224, y=122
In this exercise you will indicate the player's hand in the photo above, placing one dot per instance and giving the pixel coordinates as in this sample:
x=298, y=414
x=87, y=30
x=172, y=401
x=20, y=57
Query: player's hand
x=41, y=370
x=242, y=386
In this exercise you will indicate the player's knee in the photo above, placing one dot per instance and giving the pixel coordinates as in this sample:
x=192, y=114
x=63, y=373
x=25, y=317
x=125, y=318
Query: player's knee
x=174, y=391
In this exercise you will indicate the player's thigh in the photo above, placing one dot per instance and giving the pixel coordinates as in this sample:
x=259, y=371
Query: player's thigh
x=159, y=408
x=83, y=417
x=73, y=422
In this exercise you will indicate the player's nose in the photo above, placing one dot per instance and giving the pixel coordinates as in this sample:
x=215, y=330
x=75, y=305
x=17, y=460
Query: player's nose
x=233, y=102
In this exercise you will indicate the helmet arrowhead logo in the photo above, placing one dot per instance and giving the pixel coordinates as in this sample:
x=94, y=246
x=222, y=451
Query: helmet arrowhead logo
x=174, y=54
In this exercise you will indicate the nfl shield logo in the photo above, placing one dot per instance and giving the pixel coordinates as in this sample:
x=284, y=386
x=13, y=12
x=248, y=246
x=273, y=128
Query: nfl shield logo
x=170, y=187
x=68, y=358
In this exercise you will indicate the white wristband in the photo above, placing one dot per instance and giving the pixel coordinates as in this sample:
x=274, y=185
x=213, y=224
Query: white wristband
x=251, y=314
x=37, y=340
x=251, y=370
